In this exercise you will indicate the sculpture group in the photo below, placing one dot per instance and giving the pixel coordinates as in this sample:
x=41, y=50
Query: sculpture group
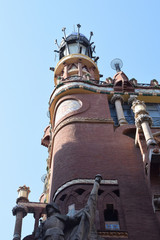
x=79, y=227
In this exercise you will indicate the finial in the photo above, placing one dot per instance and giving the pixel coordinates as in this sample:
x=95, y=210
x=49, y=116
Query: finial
x=93, y=49
x=52, y=69
x=57, y=43
x=23, y=193
x=96, y=59
x=78, y=26
x=91, y=34
x=64, y=30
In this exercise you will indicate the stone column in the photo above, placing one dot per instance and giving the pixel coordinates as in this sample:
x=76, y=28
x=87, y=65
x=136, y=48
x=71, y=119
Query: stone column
x=118, y=101
x=37, y=215
x=143, y=121
x=91, y=70
x=20, y=212
x=65, y=74
x=80, y=68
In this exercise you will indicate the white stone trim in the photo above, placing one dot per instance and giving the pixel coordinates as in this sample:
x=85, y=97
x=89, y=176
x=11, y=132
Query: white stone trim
x=83, y=181
x=81, y=85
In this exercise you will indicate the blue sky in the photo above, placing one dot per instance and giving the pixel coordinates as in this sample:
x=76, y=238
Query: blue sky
x=125, y=29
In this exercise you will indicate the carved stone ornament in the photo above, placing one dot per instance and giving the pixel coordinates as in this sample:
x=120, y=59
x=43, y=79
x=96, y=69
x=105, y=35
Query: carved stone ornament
x=143, y=118
x=20, y=208
x=132, y=99
x=117, y=97
x=137, y=102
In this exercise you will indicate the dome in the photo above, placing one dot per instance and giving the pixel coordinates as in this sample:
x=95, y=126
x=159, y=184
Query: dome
x=73, y=37
x=75, y=43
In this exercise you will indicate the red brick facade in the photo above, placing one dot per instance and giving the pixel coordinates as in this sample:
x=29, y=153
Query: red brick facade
x=83, y=149
x=92, y=131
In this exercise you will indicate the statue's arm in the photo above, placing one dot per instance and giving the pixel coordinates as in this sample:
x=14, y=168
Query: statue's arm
x=94, y=192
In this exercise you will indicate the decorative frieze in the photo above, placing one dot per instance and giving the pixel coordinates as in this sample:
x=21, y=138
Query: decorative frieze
x=113, y=234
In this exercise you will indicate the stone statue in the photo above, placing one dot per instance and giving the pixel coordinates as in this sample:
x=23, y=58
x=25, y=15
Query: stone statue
x=78, y=227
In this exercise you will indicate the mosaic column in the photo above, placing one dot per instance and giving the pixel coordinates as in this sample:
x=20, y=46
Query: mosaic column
x=143, y=121
x=20, y=212
x=118, y=101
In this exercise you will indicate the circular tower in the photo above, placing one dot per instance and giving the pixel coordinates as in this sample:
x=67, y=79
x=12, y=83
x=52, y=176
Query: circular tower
x=83, y=141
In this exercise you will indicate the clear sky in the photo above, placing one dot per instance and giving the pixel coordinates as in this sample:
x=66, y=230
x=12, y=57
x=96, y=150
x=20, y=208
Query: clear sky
x=127, y=29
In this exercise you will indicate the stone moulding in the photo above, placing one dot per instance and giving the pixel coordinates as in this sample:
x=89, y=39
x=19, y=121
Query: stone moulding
x=83, y=181
x=20, y=208
x=117, y=97
x=81, y=120
x=113, y=234
x=30, y=206
x=78, y=85
x=98, y=89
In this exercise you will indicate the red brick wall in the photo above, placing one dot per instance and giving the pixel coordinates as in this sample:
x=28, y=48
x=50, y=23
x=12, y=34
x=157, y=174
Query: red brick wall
x=81, y=150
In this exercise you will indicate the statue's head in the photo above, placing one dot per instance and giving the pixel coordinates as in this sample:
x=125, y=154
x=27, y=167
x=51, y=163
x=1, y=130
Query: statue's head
x=52, y=208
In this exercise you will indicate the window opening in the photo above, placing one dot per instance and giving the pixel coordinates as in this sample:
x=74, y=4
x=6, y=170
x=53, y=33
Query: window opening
x=128, y=113
x=63, y=197
x=154, y=111
x=71, y=210
x=146, y=169
x=111, y=218
x=100, y=192
x=117, y=192
x=80, y=191
x=80, y=50
x=156, y=202
x=113, y=114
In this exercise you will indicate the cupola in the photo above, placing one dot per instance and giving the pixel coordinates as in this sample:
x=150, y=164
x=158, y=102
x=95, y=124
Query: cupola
x=76, y=58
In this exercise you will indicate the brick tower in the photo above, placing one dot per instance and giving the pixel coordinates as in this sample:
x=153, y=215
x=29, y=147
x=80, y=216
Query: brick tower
x=101, y=127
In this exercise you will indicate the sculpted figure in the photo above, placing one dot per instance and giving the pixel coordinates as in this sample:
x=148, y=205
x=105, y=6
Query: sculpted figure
x=53, y=226
x=55, y=223
x=78, y=227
